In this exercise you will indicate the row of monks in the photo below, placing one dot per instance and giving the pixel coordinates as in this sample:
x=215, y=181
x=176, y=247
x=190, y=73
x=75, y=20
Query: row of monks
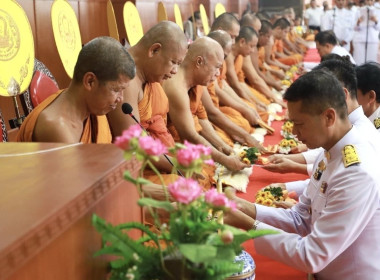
x=214, y=91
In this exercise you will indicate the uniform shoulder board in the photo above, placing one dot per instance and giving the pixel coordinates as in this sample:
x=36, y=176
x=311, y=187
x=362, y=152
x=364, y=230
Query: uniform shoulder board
x=376, y=122
x=350, y=156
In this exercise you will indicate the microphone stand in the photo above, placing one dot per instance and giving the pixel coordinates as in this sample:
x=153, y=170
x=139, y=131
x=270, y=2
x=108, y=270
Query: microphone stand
x=366, y=37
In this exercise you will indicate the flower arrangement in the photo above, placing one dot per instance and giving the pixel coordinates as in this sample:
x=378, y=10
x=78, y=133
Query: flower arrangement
x=275, y=197
x=290, y=141
x=193, y=243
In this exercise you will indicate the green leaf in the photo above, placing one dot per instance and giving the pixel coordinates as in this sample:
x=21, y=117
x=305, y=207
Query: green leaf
x=198, y=253
x=156, y=204
x=128, y=177
x=128, y=154
x=142, y=181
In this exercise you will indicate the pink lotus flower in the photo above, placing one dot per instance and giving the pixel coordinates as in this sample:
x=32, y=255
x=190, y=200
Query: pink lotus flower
x=122, y=141
x=151, y=146
x=219, y=199
x=191, y=153
x=185, y=190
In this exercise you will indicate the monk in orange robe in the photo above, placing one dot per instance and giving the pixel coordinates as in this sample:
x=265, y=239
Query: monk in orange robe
x=200, y=67
x=157, y=55
x=77, y=114
x=280, y=30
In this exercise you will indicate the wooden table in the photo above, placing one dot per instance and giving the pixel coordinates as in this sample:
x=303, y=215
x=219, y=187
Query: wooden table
x=48, y=193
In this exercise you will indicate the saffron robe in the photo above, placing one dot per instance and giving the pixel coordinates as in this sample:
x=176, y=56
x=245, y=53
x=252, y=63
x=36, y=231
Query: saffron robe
x=278, y=46
x=153, y=110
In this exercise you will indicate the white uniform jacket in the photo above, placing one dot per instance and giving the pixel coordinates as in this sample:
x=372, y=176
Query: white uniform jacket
x=334, y=230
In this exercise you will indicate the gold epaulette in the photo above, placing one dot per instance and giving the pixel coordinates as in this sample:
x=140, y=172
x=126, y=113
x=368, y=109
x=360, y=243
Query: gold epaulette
x=376, y=122
x=350, y=156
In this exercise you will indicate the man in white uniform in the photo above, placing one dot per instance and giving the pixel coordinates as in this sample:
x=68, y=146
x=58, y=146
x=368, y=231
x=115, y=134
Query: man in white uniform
x=366, y=36
x=341, y=21
x=313, y=16
x=333, y=231
x=368, y=76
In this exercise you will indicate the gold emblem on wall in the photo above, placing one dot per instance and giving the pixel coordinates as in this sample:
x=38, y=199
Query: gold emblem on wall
x=132, y=23
x=16, y=47
x=66, y=34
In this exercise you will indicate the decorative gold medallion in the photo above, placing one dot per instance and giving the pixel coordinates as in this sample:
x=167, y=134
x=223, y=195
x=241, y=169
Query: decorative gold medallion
x=323, y=187
x=350, y=155
x=376, y=122
x=132, y=23
x=16, y=47
x=178, y=16
x=66, y=34
x=111, y=19
x=204, y=19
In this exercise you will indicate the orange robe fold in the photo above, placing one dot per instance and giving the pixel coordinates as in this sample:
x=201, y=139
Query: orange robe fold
x=239, y=72
x=230, y=112
x=199, y=112
x=95, y=130
x=153, y=110
x=241, y=76
x=278, y=46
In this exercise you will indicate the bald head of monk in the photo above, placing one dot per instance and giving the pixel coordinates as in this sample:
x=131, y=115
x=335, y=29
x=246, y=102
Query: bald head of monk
x=246, y=41
x=252, y=21
x=227, y=22
x=106, y=58
x=224, y=39
x=205, y=58
x=160, y=51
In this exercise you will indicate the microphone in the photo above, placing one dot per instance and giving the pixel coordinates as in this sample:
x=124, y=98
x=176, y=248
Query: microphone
x=127, y=109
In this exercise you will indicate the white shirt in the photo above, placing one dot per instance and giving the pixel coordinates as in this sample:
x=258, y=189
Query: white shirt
x=334, y=230
x=314, y=16
x=341, y=21
x=342, y=52
x=361, y=34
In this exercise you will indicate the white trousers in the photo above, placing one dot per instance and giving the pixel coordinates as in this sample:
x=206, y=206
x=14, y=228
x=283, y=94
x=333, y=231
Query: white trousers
x=360, y=53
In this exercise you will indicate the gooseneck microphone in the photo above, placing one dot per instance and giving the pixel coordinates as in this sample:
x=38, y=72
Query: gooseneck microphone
x=127, y=109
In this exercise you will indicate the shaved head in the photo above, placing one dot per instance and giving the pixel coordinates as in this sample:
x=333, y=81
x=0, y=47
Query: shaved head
x=222, y=37
x=166, y=33
x=204, y=47
x=205, y=58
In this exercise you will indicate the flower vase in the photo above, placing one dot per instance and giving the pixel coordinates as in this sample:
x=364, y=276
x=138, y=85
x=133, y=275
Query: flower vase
x=248, y=272
x=174, y=265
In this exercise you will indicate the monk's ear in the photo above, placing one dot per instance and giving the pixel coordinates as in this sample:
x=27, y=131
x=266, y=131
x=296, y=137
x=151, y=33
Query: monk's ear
x=154, y=49
x=89, y=80
x=199, y=61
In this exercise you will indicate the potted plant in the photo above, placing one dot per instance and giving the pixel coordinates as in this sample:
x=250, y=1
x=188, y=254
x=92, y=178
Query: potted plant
x=193, y=243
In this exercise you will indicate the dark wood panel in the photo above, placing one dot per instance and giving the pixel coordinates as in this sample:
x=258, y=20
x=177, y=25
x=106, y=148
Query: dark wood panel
x=46, y=232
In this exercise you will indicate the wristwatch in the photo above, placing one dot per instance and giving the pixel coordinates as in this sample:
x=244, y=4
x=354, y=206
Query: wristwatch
x=255, y=224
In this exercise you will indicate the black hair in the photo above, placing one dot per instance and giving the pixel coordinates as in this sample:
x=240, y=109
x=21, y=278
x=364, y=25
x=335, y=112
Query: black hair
x=326, y=37
x=344, y=71
x=318, y=90
x=283, y=23
x=368, y=75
